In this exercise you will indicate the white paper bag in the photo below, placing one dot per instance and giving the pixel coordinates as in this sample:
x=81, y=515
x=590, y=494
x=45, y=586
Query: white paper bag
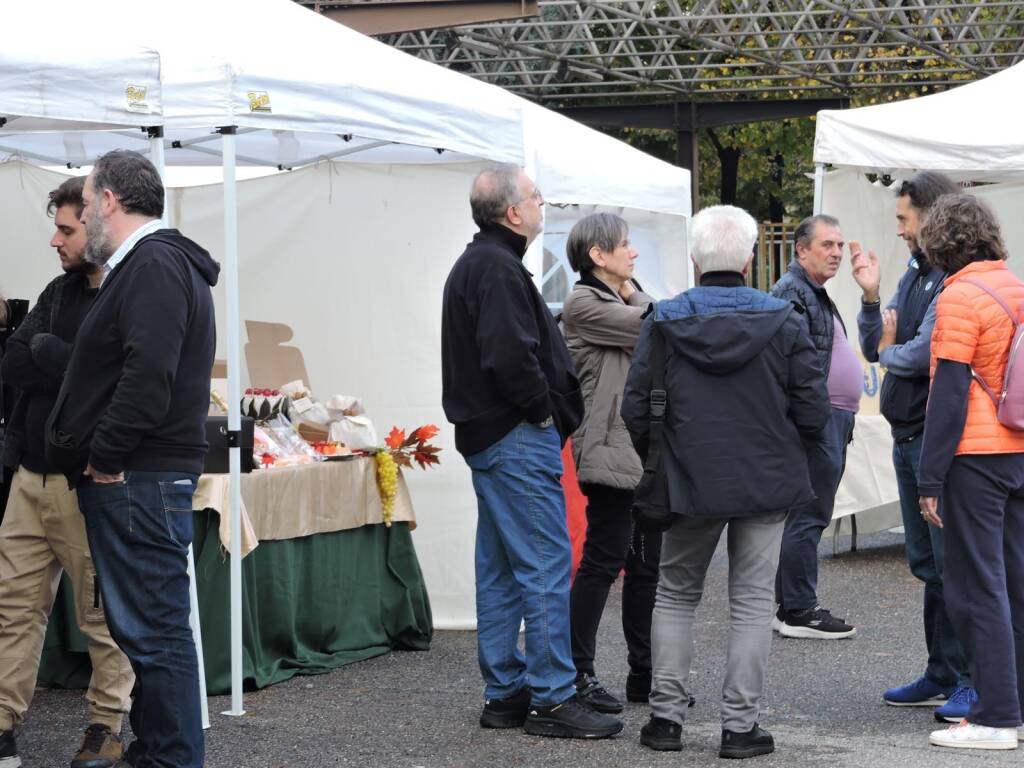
x=356, y=432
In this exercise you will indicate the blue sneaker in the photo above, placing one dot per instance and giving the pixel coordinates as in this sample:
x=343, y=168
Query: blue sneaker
x=920, y=693
x=955, y=710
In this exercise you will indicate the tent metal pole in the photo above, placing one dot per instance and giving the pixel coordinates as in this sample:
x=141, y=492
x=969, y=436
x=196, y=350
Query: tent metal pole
x=156, y=152
x=234, y=416
x=819, y=186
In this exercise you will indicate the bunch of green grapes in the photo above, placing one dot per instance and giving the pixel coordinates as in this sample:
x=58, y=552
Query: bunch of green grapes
x=387, y=482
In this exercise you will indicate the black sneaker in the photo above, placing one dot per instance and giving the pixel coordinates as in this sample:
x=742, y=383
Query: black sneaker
x=756, y=741
x=662, y=735
x=638, y=686
x=594, y=694
x=509, y=712
x=813, y=624
x=572, y=719
x=8, y=750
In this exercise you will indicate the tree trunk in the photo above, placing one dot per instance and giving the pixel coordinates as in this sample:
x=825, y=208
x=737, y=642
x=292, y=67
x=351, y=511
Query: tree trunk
x=776, y=208
x=729, y=161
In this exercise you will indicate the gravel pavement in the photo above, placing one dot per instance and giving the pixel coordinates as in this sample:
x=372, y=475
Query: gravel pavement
x=411, y=710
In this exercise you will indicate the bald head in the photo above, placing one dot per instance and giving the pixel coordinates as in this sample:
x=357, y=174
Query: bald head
x=495, y=188
x=505, y=195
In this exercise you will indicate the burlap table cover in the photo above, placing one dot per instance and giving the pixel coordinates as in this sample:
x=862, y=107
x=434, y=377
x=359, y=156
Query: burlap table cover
x=290, y=502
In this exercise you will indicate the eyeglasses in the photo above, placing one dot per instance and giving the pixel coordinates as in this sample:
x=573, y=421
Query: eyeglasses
x=535, y=195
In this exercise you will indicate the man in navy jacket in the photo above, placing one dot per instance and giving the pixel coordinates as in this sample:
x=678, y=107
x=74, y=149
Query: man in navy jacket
x=743, y=387
x=899, y=338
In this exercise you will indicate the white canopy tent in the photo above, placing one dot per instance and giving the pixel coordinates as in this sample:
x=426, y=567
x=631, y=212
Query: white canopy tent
x=276, y=85
x=971, y=132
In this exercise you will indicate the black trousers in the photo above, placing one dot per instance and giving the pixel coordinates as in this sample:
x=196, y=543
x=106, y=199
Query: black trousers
x=982, y=511
x=611, y=545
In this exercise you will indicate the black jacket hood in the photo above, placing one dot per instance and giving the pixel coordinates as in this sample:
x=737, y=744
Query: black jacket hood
x=197, y=255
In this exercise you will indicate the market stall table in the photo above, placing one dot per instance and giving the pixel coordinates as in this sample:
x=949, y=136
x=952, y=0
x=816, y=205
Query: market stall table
x=325, y=583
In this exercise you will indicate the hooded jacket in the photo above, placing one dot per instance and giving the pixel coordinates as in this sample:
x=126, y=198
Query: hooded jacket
x=744, y=387
x=137, y=388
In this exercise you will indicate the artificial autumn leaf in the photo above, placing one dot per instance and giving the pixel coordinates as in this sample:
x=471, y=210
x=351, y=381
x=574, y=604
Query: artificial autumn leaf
x=401, y=459
x=423, y=458
x=395, y=438
x=426, y=432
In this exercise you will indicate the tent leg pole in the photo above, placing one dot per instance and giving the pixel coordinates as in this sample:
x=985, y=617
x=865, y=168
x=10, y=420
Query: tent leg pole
x=819, y=186
x=156, y=151
x=234, y=416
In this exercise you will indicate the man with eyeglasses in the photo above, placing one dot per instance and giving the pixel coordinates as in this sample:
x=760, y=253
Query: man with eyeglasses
x=511, y=391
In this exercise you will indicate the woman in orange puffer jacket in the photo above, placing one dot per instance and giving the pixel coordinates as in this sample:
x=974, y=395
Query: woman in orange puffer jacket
x=972, y=467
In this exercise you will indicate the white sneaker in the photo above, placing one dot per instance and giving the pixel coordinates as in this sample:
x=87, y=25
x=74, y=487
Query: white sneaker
x=1020, y=733
x=967, y=735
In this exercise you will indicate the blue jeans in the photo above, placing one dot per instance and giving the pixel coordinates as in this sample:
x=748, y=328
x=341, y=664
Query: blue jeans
x=946, y=663
x=139, y=531
x=796, y=583
x=523, y=564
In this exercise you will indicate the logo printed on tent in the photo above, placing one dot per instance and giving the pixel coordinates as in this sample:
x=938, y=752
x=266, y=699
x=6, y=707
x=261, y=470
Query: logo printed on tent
x=135, y=98
x=259, y=101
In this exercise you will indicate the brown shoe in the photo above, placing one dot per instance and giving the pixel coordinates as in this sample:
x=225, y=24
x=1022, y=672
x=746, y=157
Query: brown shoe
x=101, y=748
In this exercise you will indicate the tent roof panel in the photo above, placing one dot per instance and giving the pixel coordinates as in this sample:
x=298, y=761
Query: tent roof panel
x=972, y=129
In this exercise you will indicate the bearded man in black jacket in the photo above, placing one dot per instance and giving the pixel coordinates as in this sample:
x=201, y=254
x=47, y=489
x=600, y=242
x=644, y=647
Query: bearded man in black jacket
x=128, y=429
x=510, y=389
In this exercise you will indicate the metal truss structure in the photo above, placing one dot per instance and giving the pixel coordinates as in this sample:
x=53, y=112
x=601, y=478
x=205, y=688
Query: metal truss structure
x=579, y=52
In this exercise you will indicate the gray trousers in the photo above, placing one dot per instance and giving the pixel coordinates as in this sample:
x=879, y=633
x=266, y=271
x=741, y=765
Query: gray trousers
x=686, y=552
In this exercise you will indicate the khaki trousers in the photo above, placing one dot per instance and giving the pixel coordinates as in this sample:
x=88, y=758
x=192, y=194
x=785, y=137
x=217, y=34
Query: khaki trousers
x=43, y=532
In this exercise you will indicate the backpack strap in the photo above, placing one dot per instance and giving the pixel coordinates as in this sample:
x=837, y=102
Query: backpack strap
x=1016, y=324
x=997, y=297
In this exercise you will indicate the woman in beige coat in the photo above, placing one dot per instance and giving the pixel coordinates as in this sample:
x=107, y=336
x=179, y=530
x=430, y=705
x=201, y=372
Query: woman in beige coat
x=601, y=320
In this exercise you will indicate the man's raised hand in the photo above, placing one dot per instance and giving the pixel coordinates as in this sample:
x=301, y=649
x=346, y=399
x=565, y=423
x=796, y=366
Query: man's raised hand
x=865, y=271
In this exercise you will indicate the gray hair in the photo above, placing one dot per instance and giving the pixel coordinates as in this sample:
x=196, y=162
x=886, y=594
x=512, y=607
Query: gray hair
x=605, y=230
x=134, y=181
x=803, y=235
x=722, y=239
x=495, y=189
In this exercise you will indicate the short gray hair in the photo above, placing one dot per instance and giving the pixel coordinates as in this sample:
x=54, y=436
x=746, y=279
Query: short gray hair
x=605, y=230
x=495, y=188
x=723, y=238
x=803, y=235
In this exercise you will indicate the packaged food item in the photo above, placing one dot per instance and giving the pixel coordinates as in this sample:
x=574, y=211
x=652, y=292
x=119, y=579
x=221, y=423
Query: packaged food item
x=289, y=438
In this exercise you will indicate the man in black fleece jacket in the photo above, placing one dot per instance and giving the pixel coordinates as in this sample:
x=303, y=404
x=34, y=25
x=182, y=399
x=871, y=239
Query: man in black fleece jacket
x=128, y=429
x=510, y=389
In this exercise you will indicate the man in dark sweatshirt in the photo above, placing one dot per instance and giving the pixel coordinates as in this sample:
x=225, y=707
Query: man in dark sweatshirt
x=128, y=430
x=43, y=531
x=510, y=389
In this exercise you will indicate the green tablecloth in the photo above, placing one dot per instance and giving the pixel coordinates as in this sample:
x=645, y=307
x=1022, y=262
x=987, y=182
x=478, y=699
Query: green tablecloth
x=309, y=605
